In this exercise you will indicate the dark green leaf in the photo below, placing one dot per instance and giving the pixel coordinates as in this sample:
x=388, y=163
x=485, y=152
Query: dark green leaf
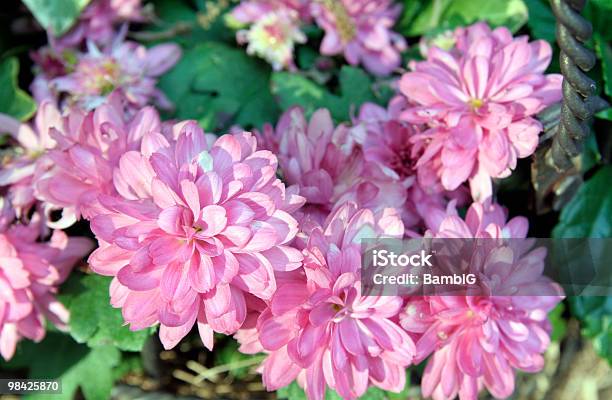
x=59, y=357
x=14, y=101
x=95, y=322
x=187, y=25
x=541, y=20
x=216, y=84
x=595, y=314
x=589, y=213
x=56, y=15
x=294, y=89
x=605, y=4
x=604, y=52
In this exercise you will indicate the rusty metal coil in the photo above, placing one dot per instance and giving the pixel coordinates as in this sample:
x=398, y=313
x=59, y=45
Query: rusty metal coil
x=580, y=100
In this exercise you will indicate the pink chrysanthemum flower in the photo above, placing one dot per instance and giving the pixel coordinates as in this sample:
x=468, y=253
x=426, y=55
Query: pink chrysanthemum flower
x=274, y=28
x=21, y=162
x=326, y=163
x=30, y=272
x=392, y=156
x=98, y=21
x=195, y=226
x=250, y=11
x=482, y=220
x=320, y=329
x=88, y=148
x=479, y=341
x=123, y=65
x=361, y=30
x=477, y=101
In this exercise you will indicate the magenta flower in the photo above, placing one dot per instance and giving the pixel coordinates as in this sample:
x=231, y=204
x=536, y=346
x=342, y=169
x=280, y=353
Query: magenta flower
x=326, y=163
x=361, y=30
x=123, y=65
x=320, y=329
x=479, y=341
x=22, y=162
x=30, y=272
x=98, y=21
x=392, y=156
x=477, y=101
x=195, y=226
x=88, y=149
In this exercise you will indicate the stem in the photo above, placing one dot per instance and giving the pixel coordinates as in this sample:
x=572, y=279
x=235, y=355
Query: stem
x=208, y=373
x=177, y=29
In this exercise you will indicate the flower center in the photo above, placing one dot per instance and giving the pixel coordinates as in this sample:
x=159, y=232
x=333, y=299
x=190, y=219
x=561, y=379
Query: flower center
x=475, y=104
x=403, y=163
x=100, y=77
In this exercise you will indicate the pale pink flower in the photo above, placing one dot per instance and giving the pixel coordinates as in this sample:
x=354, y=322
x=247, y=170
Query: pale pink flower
x=88, y=148
x=30, y=272
x=479, y=341
x=21, y=162
x=273, y=38
x=195, y=226
x=320, y=329
x=98, y=21
x=392, y=156
x=361, y=31
x=326, y=163
x=127, y=66
x=477, y=101
x=273, y=28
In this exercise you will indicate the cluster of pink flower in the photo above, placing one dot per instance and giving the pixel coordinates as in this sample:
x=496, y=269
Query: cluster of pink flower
x=199, y=230
x=65, y=162
x=93, y=59
x=476, y=102
x=360, y=30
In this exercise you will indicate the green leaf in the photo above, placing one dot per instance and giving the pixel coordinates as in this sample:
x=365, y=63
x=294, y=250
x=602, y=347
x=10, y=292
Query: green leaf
x=591, y=156
x=75, y=365
x=295, y=392
x=95, y=322
x=56, y=15
x=228, y=354
x=541, y=20
x=559, y=326
x=293, y=89
x=14, y=101
x=595, y=313
x=605, y=4
x=448, y=14
x=605, y=114
x=218, y=85
x=604, y=52
x=589, y=213
x=292, y=392
x=188, y=25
